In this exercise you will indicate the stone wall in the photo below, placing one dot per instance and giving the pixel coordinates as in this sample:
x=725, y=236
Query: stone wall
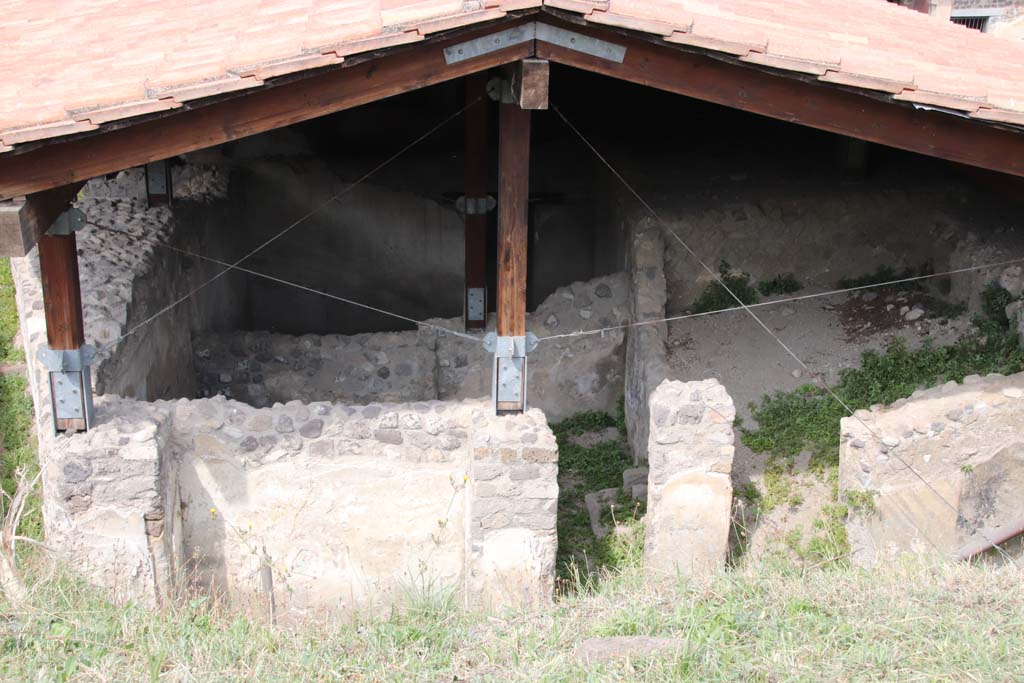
x=126, y=279
x=689, y=488
x=333, y=505
x=963, y=441
x=337, y=506
x=566, y=375
x=646, y=358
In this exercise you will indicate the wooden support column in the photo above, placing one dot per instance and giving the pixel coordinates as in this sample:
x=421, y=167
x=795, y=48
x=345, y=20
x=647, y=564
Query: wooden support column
x=476, y=202
x=62, y=306
x=513, y=194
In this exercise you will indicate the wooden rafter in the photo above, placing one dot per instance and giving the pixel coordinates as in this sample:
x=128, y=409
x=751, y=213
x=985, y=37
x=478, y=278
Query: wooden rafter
x=407, y=68
x=814, y=104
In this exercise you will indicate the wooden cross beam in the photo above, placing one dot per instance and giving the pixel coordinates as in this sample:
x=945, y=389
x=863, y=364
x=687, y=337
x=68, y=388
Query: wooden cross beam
x=23, y=221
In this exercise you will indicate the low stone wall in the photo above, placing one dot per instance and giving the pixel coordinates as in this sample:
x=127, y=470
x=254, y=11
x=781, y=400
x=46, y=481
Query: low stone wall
x=260, y=368
x=331, y=507
x=689, y=489
x=646, y=363
x=965, y=445
x=566, y=375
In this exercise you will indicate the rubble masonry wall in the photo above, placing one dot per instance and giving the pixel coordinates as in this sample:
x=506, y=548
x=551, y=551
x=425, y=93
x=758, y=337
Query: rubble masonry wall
x=340, y=507
x=341, y=504
x=964, y=440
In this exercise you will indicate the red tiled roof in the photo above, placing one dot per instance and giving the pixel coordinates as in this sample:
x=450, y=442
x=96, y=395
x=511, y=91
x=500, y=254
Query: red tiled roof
x=68, y=66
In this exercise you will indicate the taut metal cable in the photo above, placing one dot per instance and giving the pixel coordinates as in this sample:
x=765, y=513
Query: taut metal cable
x=717, y=278
x=235, y=265
x=296, y=285
x=775, y=302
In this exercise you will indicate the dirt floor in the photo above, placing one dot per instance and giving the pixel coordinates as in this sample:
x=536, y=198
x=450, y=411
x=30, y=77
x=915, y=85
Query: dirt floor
x=827, y=334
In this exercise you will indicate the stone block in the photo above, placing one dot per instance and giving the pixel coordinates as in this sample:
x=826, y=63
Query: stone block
x=973, y=465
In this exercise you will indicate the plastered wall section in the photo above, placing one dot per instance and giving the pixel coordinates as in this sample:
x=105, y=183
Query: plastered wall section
x=938, y=473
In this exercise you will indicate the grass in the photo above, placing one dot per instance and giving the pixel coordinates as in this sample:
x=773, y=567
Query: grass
x=17, y=448
x=883, y=273
x=913, y=621
x=715, y=297
x=784, y=283
x=9, y=353
x=808, y=418
x=584, y=469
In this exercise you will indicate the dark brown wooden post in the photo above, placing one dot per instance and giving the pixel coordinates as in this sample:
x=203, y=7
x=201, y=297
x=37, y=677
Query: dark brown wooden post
x=62, y=306
x=513, y=194
x=475, y=202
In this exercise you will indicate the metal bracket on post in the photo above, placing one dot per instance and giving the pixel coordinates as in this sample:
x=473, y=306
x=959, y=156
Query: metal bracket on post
x=158, y=183
x=509, y=380
x=475, y=206
x=70, y=386
x=68, y=222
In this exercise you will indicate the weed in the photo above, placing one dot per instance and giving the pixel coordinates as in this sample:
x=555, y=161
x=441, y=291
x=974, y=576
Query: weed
x=8, y=316
x=861, y=501
x=994, y=300
x=591, y=468
x=967, y=469
x=940, y=308
x=715, y=297
x=749, y=492
x=784, y=283
x=808, y=418
x=17, y=447
x=882, y=274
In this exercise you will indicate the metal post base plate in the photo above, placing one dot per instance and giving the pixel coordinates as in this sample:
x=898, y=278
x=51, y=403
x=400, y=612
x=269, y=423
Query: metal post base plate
x=70, y=386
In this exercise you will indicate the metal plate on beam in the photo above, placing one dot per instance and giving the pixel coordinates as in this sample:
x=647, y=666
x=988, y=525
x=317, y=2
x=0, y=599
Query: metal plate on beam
x=516, y=35
x=509, y=387
x=476, y=298
x=581, y=43
x=534, y=31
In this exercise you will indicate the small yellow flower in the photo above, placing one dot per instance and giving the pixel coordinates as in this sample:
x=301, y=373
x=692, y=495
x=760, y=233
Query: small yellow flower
x=213, y=512
x=465, y=478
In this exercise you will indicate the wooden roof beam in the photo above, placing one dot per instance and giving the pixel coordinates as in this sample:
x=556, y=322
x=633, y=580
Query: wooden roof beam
x=23, y=221
x=807, y=103
x=396, y=72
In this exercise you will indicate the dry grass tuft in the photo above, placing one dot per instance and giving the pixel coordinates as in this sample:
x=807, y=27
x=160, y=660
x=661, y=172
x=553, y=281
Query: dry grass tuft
x=918, y=620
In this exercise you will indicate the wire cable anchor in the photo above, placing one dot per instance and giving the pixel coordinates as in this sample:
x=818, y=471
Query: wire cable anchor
x=70, y=386
x=509, y=378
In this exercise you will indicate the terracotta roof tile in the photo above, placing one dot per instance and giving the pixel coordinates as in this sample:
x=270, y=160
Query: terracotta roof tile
x=70, y=66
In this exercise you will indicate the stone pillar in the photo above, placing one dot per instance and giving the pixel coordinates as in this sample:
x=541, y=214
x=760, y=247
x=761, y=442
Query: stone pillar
x=513, y=512
x=690, y=454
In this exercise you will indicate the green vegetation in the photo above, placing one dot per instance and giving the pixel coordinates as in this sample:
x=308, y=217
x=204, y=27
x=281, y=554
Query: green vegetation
x=715, y=297
x=994, y=300
x=583, y=469
x=783, y=283
x=17, y=448
x=911, y=621
x=808, y=418
x=884, y=274
x=8, y=316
